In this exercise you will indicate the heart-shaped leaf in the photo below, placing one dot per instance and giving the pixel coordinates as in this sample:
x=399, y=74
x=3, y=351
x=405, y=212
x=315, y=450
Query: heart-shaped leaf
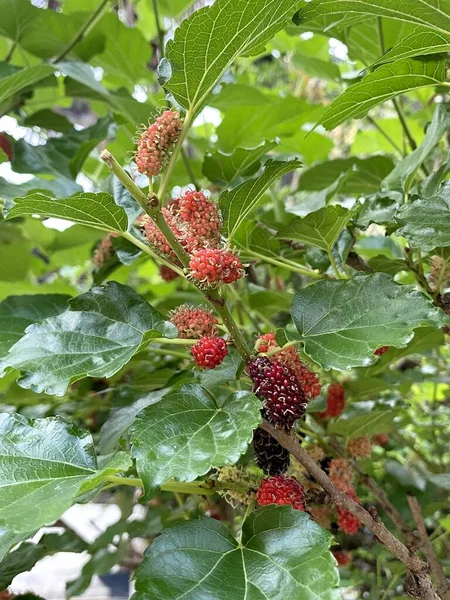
x=187, y=433
x=282, y=555
x=342, y=323
x=96, y=337
x=43, y=464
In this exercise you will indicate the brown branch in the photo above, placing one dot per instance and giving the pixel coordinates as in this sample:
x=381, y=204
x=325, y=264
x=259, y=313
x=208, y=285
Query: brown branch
x=418, y=579
x=442, y=585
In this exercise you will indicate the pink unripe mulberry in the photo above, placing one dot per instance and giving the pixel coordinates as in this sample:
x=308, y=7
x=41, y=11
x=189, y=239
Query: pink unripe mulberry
x=193, y=322
x=156, y=143
x=359, y=446
x=199, y=218
x=209, y=352
x=213, y=267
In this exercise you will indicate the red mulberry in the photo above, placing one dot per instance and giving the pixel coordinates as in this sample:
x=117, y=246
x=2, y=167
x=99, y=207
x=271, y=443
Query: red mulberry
x=335, y=401
x=347, y=522
x=281, y=490
x=209, y=352
x=167, y=274
x=342, y=557
x=381, y=350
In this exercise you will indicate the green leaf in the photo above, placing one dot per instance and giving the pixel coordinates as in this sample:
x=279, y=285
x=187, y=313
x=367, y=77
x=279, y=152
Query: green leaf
x=250, y=119
x=81, y=82
x=315, y=67
x=64, y=156
x=425, y=222
x=120, y=418
x=43, y=463
x=21, y=560
x=434, y=14
x=237, y=204
x=201, y=51
x=442, y=480
x=242, y=162
x=283, y=554
x=342, y=323
x=419, y=43
x=364, y=175
x=8, y=539
x=387, y=82
x=95, y=210
x=96, y=337
x=320, y=228
x=23, y=79
x=17, y=312
x=402, y=175
x=375, y=421
x=187, y=433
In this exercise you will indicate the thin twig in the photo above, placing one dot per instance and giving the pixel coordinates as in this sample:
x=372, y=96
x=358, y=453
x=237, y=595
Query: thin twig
x=428, y=550
x=380, y=495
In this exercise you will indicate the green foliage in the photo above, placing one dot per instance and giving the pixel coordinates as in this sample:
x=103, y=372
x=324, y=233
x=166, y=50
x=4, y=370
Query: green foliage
x=190, y=558
x=318, y=131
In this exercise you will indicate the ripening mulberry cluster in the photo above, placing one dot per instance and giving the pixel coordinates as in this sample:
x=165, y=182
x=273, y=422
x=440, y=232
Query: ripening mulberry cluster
x=156, y=143
x=289, y=358
x=195, y=221
x=277, y=386
x=335, y=401
x=359, y=447
x=270, y=455
x=193, y=322
x=281, y=490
